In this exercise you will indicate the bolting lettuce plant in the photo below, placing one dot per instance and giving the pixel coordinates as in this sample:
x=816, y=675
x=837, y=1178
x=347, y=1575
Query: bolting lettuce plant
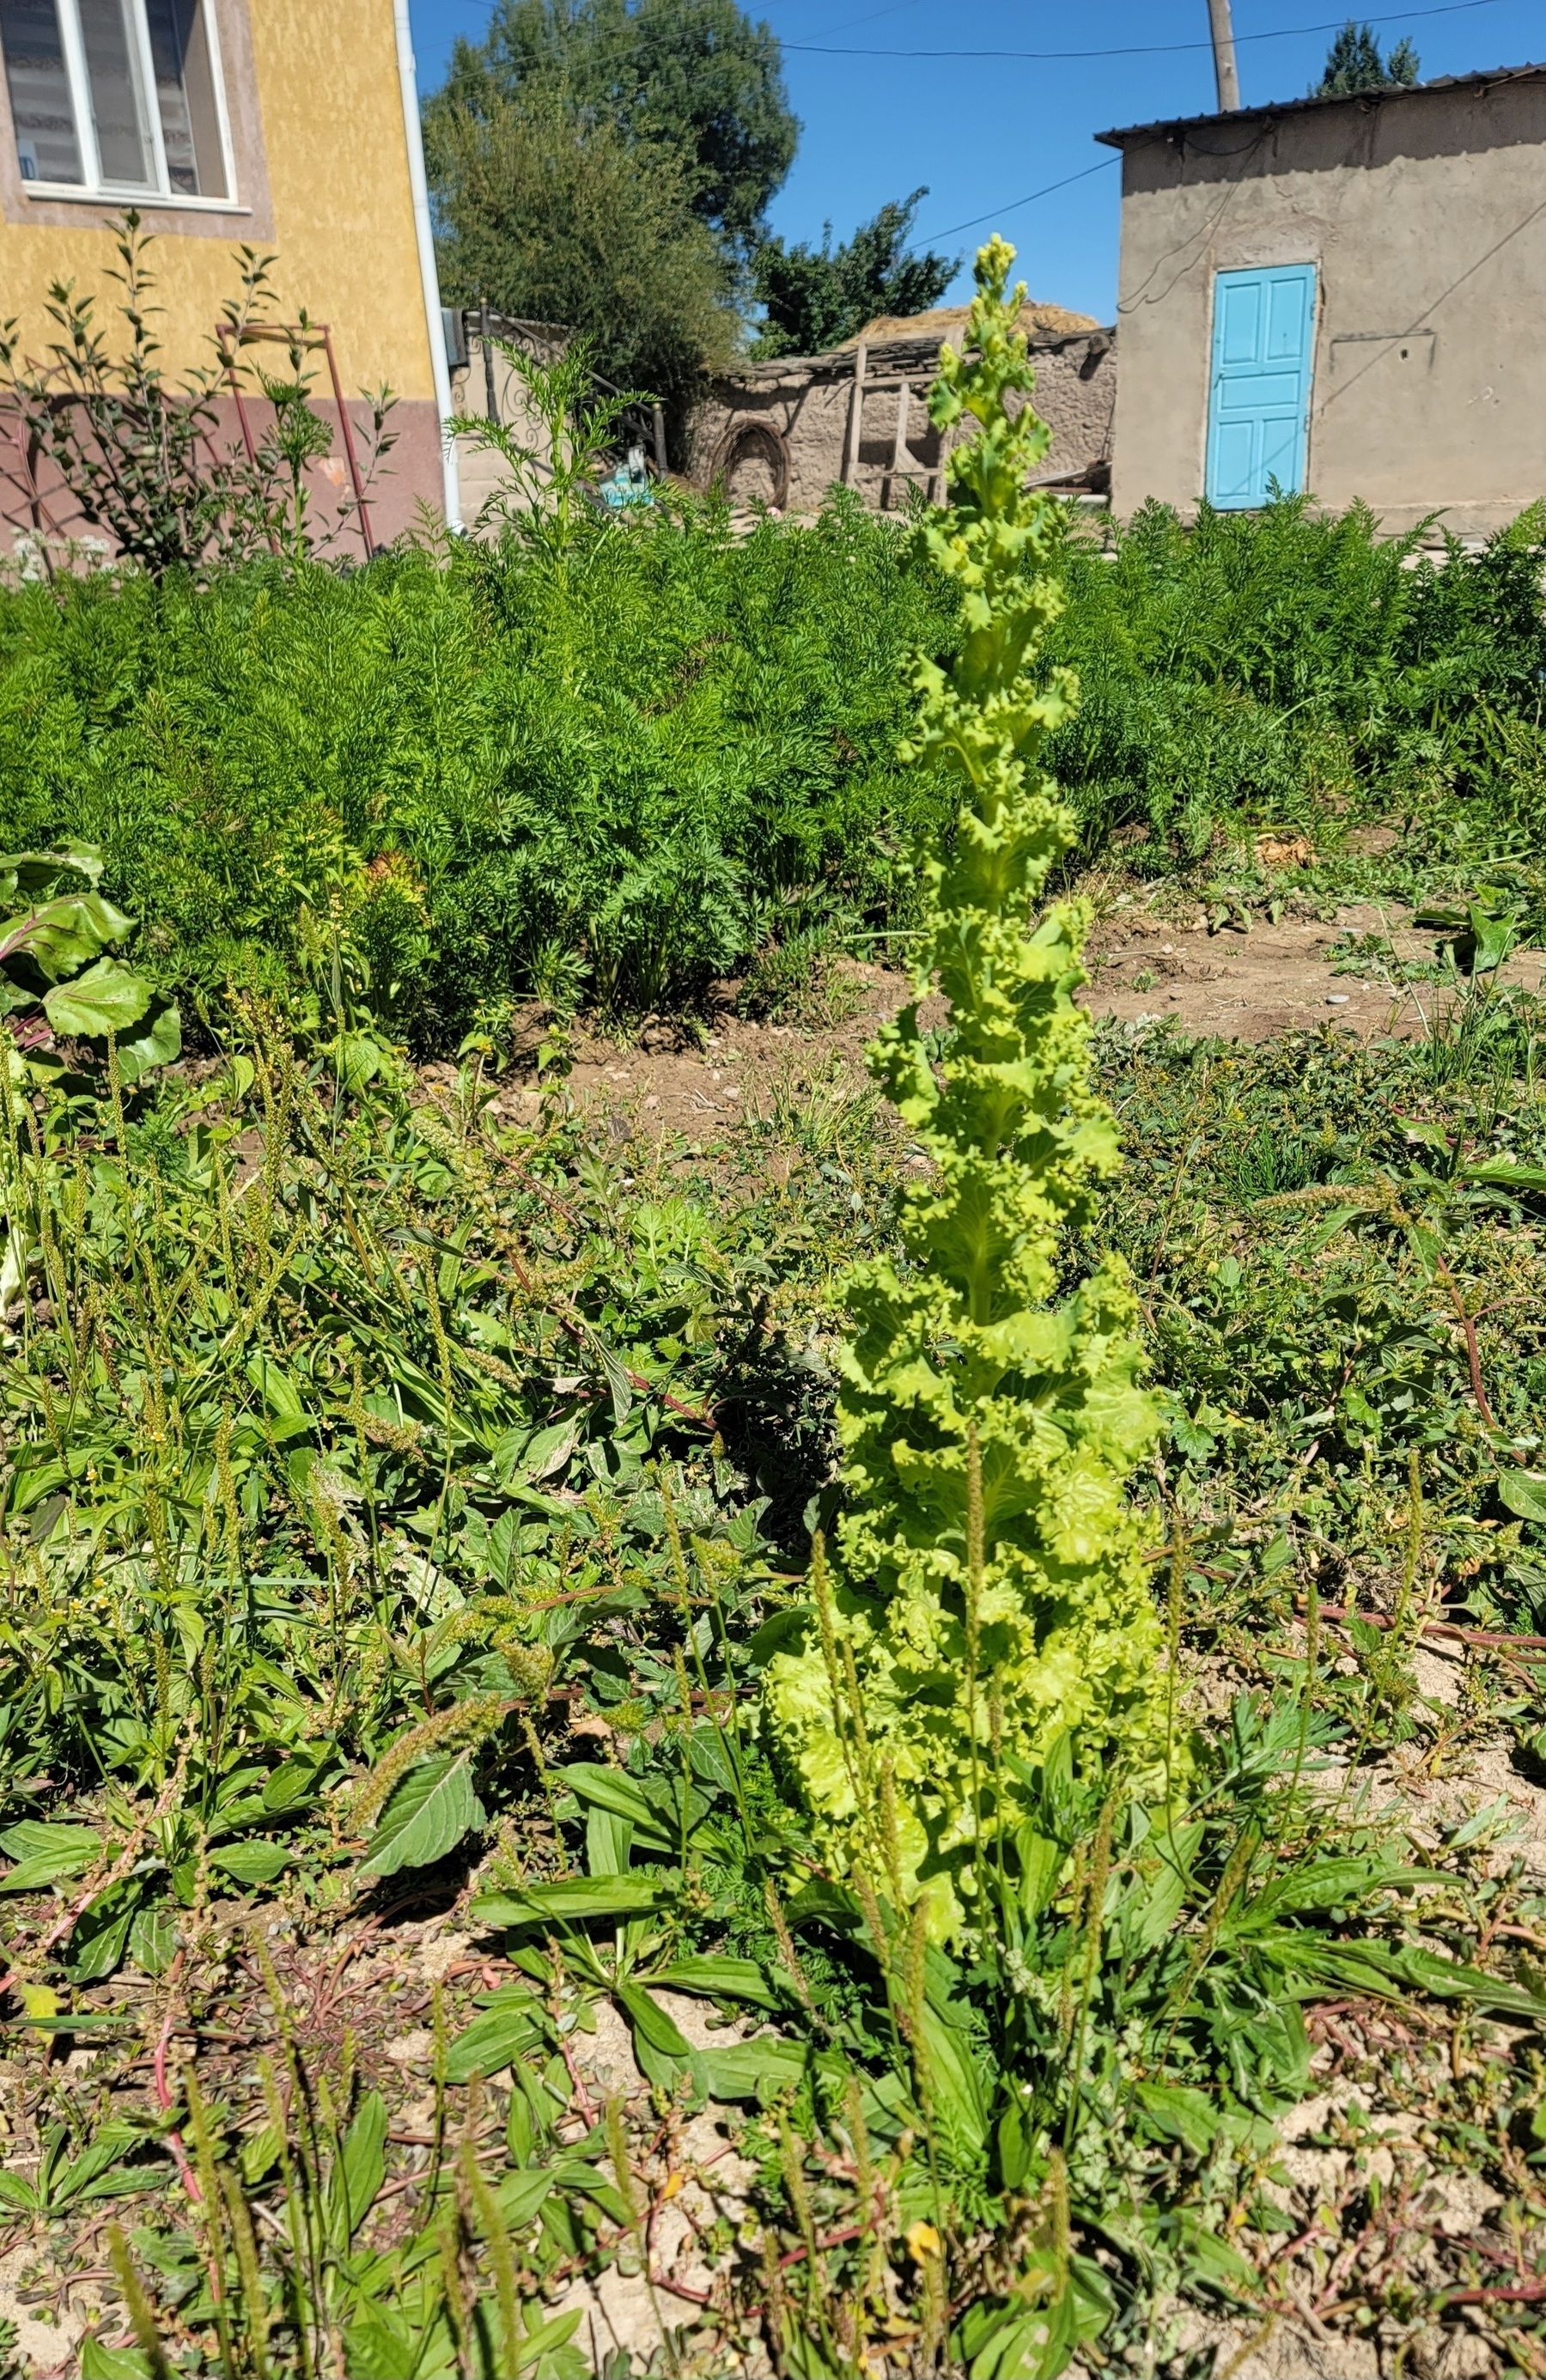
x=988, y=1612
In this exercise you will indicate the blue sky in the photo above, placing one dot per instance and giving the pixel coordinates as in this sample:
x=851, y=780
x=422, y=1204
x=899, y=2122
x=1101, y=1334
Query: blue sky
x=984, y=132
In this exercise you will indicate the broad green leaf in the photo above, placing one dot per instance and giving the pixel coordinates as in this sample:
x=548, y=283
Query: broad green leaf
x=574, y=2175
x=97, y=2173
x=1494, y=937
x=655, y=1811
x=159, y=1043
x=784, y=1631
x=1423, y=1242
x=1506, y=1173
x=1014, y=2148
x=31, y=872
x=1042, y=1862
x=606, y=1789
x=755, y=2070
x=1447, y=1979
x=361, y=2169
x=253, y=1863
x=42, y=2004
x=45, y=1852
x=1523, y=1492
x=101, y=1934
x=290, y=1415
x=33, y=1481
x=545, y=2339
x=1204, y=2256
x=15, y=2192
x=1153, y=1908
x=431, y=1809
x=608, y=1842
x=152, y=1939
x=720, y=1979
x=1038, y=2345
x=659, y=2044
x=823, y=1902
x=99, y=2362
x=495, y=2040
x=62, y=936
x=260, y=2153
x=357, y=1059
x=31, y=1837
x=521, y=2195
x=955, y=2084
x=1329, y=1226
x=1332, y=1882
x=108, y=998
x=577, y=1899
x=1179, y=2113
x=617, y=1380
x=293, y=1783
x=384, y=2345
x=1311, y=1966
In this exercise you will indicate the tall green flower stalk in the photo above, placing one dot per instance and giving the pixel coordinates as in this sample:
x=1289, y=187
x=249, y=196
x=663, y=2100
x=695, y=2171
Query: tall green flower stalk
x=988, y=1611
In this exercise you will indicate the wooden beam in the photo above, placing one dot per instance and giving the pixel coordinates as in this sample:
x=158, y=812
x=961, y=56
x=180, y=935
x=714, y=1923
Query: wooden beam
x=898, y=448
x=939, y=487
x=878, y=384
x=856, y=418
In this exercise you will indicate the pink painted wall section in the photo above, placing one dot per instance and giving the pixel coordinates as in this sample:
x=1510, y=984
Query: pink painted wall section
x=35, y=505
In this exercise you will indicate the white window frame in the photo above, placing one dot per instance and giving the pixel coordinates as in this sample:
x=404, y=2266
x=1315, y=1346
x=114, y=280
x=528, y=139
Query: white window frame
x=93, y=190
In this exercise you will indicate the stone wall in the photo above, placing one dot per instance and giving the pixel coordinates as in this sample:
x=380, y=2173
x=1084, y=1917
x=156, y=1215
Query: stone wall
x=775, y=433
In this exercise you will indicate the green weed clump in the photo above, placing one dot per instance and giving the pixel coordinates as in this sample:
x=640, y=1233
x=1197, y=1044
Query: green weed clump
x=992, y=1601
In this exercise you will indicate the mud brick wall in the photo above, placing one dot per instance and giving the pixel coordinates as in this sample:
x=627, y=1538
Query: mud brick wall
x=776, y=432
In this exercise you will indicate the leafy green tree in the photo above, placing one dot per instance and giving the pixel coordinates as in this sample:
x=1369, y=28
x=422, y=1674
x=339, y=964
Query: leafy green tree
x=548, y=215
x=1354, y=63
x=814, y=298
x=694, y=77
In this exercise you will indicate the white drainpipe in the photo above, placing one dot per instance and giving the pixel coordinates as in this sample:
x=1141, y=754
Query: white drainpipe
x=429, y=277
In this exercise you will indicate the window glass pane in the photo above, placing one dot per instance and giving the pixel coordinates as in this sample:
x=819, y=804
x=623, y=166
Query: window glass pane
x=40, y=91
x=185, y=95
x=121, y=143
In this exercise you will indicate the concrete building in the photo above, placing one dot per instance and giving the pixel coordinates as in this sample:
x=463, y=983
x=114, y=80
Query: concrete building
x=782, y=432
x=279, y=125
x=1346, y=295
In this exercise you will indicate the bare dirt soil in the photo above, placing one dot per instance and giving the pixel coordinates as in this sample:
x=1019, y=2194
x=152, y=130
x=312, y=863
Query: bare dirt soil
x=1248, y=982
x=1241, y=981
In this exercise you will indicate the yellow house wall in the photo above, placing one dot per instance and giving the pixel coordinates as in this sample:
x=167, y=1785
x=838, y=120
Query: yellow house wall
x=322, y=179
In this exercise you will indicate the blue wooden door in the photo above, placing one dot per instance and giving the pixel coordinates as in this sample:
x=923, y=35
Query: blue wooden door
x=1259, y=403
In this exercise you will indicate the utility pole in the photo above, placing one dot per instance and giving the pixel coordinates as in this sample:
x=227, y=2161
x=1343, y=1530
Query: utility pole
x=1224, y=56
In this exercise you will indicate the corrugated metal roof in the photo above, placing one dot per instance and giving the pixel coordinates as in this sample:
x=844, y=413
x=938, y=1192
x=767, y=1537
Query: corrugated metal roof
x=1119, y=139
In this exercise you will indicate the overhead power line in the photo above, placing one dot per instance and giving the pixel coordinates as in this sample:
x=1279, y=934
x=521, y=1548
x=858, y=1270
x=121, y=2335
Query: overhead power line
x=1045, y=192
x=1140, y=49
